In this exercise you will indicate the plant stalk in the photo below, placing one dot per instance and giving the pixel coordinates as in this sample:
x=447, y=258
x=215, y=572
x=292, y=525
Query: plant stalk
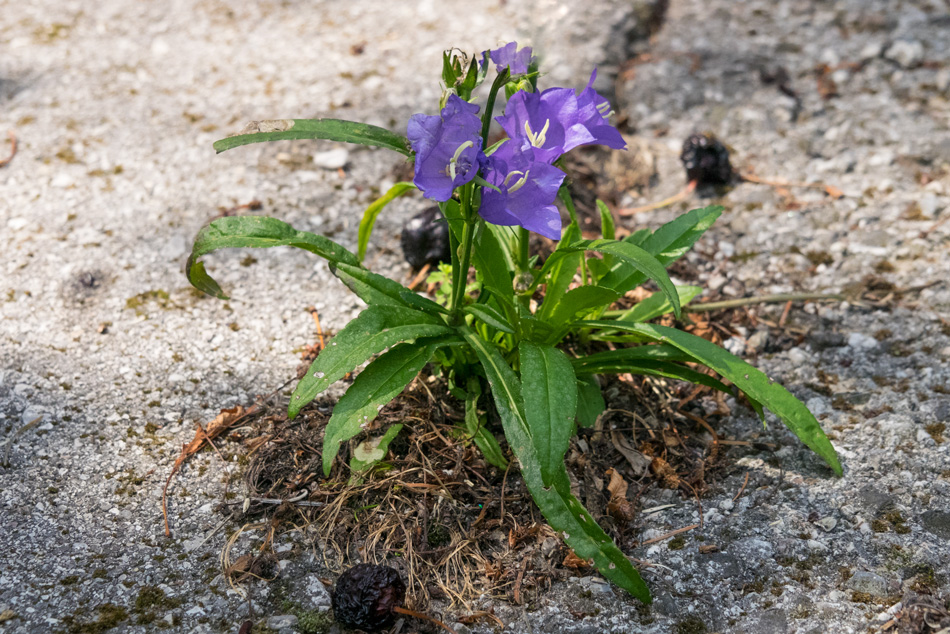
x=464, y=261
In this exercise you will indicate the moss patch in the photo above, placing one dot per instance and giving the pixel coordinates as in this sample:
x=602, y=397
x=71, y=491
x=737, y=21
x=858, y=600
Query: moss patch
x=110, y=616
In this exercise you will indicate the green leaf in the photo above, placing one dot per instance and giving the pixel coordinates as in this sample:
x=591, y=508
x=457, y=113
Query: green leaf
x=638, y=259
x=375, y=289
x=493, y=265
x=608, y=360
x=255, y=232
x=475, y=427
x=550, y=401
x=561, y=509
x=329, y=129
x=369, y=452
x=369, y=216
x=606, y=221
x=753, y=382
x=561, y=274
x=657, y=304
x=590, y=400
x=580, y=301
x=380, y=382
x=373, y=330
x=489, y=315
x=667, y=244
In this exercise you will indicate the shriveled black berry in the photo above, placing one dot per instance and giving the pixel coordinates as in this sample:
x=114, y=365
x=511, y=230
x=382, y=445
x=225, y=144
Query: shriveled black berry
x=425, y=239
x=366, y=596
x=706, y=160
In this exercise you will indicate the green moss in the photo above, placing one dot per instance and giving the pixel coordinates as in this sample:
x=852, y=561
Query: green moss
x=677, y=543
x=438, y=536
x=151, y=604
x=880, y=526
x=151, y=428
x=819, y=257
x=52, y=490
x=314, y=622
x=110, y=616
x=71, y=580
x=99, y=573
x=936, y=431
x=138, y=302
x=690, y=625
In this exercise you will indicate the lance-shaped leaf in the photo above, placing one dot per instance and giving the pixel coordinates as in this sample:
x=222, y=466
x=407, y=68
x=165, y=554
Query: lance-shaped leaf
x=667, y=244
x=590, y=400
x=373, y=330
x=550, y=402
x=475, y=427
x=369, y=216
x=377, y=289
x=657, y=304
x=747, y=378
x=561, y=509
x=328, y=129
x=380, y=382
x=256, y=232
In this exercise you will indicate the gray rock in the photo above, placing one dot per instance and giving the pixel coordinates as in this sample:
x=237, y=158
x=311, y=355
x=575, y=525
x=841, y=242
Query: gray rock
x=331, y=159
x=936, y=522
x=862, y=581
x=907, y=53
x=281, y=621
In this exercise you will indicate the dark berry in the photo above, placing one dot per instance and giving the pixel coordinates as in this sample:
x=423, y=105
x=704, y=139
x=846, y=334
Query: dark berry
x=366, y=596
x=425, y=239
x=706, y=160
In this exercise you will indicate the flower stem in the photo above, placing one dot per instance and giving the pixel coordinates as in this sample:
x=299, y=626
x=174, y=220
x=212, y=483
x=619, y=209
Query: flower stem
x=464, y=261
x=523, y=241
x=500, y=81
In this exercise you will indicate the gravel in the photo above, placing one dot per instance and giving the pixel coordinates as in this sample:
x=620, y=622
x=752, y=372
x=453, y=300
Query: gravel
x=115, y=106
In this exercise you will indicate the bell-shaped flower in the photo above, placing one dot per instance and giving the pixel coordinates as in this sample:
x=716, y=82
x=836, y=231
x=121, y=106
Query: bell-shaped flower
x=508, y=56
x=557, y=120
x=523, y=191
x=448, y=148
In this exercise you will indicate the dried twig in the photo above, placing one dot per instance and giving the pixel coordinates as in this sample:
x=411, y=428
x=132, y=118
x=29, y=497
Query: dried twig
x=744, y=483
x=668, y=535
x=9, y=441
x=12, y=149
x=680, y=196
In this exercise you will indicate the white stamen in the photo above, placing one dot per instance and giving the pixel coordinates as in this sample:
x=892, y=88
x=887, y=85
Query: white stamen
x=456, y=156
x=537, y=140
x=518, y=185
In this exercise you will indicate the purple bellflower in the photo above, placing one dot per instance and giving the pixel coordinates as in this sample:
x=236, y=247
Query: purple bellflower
x=448, y=148
x=557, y=120
x=526, y=189
x=508, y=56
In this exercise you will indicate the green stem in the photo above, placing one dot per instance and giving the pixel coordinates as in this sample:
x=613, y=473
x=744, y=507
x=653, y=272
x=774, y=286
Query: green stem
x=465, y=256
x=523, y=239
x=500, y=81
x=565, y=197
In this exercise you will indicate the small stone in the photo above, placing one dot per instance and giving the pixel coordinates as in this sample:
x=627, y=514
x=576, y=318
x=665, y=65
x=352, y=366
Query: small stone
x=758, y=340
x=816, y=546
x=62, y=180
x=868, y=582
x=331, y=159
x=281, y=621
x=871, y=50
x=595, y=584
x=861, y=341
x=726, y=505
x=907, y=53
x=827, y=524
